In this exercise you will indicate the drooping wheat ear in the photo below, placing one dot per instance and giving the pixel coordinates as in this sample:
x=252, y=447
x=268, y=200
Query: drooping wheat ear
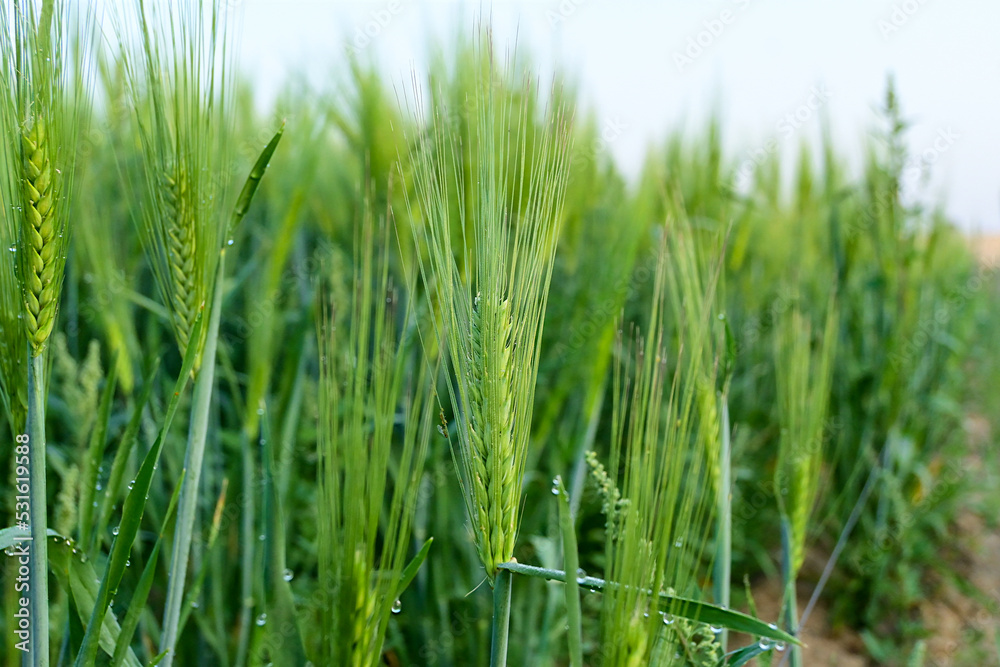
x=491, y=430
x=40, y=234
x=179, y=226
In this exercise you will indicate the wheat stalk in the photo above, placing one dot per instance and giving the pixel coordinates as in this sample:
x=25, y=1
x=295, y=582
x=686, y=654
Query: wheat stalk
x=659, y=427
x=179, y=82
x=362, y=383
x=491, y=314
x=177, y=78
x=42, y=112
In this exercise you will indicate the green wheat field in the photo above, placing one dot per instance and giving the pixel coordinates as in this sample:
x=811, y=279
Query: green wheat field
x=410, y=374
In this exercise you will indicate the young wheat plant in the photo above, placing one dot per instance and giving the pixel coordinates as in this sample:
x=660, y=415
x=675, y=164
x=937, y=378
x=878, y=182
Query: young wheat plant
x=491, y=310
x=505, y=228
x=42, y=95
x=179, y=78
x=803, y=375
x=654, y=542
x=178, y=82
x=363, y=540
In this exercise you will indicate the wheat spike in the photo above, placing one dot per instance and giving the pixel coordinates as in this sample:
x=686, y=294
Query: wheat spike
x=491, y=430
x=40, y=232
x=180, y=232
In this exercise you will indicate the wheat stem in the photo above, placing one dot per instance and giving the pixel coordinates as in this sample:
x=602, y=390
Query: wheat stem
x=192, y=465
x=724, y=521
x=502, y=585
x=247, y=553
x=571, y=560
x=37, y=512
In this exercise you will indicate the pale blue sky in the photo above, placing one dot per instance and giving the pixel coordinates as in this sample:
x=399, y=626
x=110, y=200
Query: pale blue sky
x=759, y=61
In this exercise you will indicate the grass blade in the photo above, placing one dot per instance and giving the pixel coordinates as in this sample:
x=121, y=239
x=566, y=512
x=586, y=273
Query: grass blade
x=253, y=181
x=95, y=454
x=14, y=534
x=411, y=569
x=693, y=610
x=743, y=656
x=138, y=602
x=125, y=445
x=132, y=511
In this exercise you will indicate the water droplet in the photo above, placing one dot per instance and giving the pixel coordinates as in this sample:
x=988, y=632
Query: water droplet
x=779, y=646
x=581, y=575
x=764, y=643
x=555, y=485
x=99, y=487
x=679, y=543
x=261, y=537
x=128, y=562
x=262, y=619
x=114, y=531
x=397, y=607
x=194, y=604
x=716, y=630
x=260, y=411
x=668, y=619
x=229, y=242
x=287, y=575
x=131, y=484
x=442, y=431
x=12, y=248
x=645, y=614
x=95, y=503
x=772, y=626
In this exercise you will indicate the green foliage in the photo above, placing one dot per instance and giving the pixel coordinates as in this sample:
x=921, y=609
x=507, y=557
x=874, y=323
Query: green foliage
x=830, y=320
x=363, y=377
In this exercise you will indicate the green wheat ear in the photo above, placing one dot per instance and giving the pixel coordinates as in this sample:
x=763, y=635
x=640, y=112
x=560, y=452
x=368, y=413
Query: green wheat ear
x=660, y=420
x=42, y=251
x=803, y=378
x=496, y=489
x=178, y=72
x=503, y=223
x=179, y=225
x=363, y=522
